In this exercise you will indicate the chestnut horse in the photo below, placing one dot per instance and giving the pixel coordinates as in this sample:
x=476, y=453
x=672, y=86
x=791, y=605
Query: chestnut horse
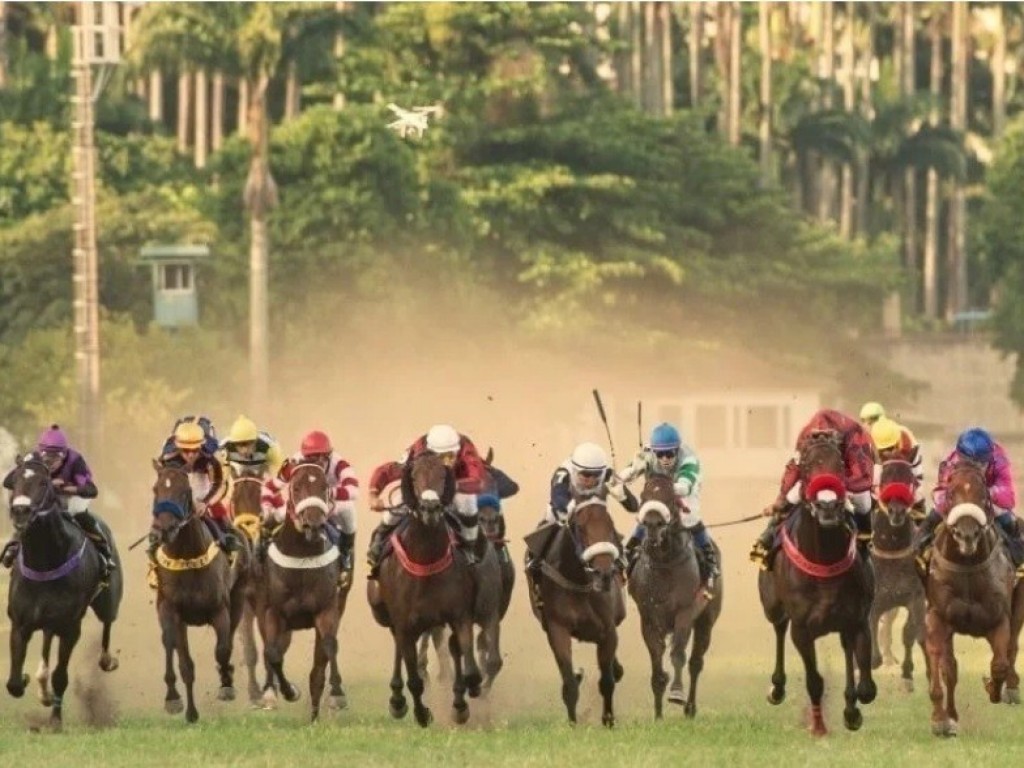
x=971, y=591
x=427, y=583
x=666, y=586
x=56, y=579
x=821, y=586
x=897, y=584
x=299, y=589
x=581, y=596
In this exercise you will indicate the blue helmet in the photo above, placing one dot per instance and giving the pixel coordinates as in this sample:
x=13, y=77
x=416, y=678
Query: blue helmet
x=976, y=444
x=664, y=437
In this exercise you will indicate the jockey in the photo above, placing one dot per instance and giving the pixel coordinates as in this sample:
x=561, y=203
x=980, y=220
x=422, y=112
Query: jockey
x=210, y=445
x=461, y=455
x=668, y=455
x=976, y=445
x=316, y=448
x=870, y=413
x=72, y=479
x=192, y=453
x=247, y=449
x=894, y=441
x=859, y=468
x=500, y=487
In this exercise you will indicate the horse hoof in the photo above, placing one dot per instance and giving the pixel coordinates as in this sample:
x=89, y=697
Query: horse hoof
x=46, y=699
x=993, y=689
x=56, y=725
x=398, y=710
x=254, y=693
x=866, y=691
x=944, y=728
x=853, y=720
x=776, y=696
x=690, y=710
x=1011, y=695
x=192, y=716
x=174, y=706
x=819, y=730
x=268, y=700
x=226, y=693
x=109, y=663
x=676, y=696
x=291, y=694
x=460, y=716
x=908, y=685
x=608, y=721
x=425, y=717
x=338, y=702
x=17, y=688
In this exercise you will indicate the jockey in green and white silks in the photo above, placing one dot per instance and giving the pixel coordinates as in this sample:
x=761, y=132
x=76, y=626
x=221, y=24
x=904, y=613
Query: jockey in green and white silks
x=668, y=455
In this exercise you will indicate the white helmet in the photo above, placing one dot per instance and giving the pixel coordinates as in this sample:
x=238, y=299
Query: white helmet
x=589, y=458
x=442, y=438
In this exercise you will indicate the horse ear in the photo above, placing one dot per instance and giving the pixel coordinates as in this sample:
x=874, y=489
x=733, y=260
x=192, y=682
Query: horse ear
x=19, y=459
x=156, y=464
x=448, y=495
x=408, y=493
x=489, y=458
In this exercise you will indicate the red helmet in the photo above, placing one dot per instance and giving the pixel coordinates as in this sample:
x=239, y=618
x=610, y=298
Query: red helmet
x=316, y=443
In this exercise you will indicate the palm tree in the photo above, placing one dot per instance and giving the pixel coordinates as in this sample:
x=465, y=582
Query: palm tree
x=934, y=202
x=956, y=294
x=3, y=44
x=764, y=26
x=849, y=59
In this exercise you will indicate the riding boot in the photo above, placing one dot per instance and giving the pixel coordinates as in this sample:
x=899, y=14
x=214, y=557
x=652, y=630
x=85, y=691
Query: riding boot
x=11, y=549
x=707, y=561
x=923, y=542
x=631, y=551
x=346, y=544
x=223, y=532
x=863, y=525
x=764, y=547
x=88, y=524
x=1008, y=523
x=375, y=551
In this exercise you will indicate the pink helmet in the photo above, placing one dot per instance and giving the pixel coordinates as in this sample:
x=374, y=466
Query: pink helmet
x=53, y=439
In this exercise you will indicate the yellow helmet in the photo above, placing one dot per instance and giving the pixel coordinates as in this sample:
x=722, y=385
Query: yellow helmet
x=244, y=430
x=871, y=412
x=189, y=436
x=886, y=434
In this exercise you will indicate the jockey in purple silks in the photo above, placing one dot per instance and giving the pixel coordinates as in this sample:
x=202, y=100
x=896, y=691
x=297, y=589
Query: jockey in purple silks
x=73, y=481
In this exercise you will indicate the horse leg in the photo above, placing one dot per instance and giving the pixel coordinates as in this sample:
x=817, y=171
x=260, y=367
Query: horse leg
x=249, y=653
x=777, y=694
x=423, y=655
x=326, y=626
x=406, y=642
x=883, y=635
x=460, y=709
x=317, y=675
x=18, y=679
x=999, y=641
x=274, y=648
x=397, y=704
x=107, y=662
x=911, y=633
x=222, y=626
x=606, y=663
x=1011, y=694
x=701, y=643
x=852, y=717
x=866, y=688
x=187, y=668
x=561, y=645
x=470, y=669
x=43, y=672
x=338, y=699
x=168, y=634
x=680, y=639
x=490, y=649
x=60, y=673
x=938, y=642
x=804, y=642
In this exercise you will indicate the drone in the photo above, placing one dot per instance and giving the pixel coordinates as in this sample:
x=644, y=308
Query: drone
x=411, y=122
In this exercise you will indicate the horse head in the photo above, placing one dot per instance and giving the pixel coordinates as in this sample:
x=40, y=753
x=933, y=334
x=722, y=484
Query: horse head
x=172, y=503
x=428, y=488
x=491, y=523
x=968, y=519
x=659, y=512
x=32, y=493
x=596, y=541
x=309, y=499
x=896, y=487
x=246, y=487
x=822, y=470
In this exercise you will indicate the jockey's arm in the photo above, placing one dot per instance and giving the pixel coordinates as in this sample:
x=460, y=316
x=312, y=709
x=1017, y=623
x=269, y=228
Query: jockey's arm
x=505, y=485
x=275, y=458
x=687, y=475
x=561, y=493
x=471, y=470
x=387, y=473
x=218, y=485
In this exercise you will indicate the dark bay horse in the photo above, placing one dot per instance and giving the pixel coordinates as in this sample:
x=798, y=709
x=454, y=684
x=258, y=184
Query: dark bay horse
x=971, y=590
x=299, y=589
x=581, y=596
x=821, y=586
x=897, y=584
x=197, y=585
x=56, y=579
x=427, y=583
x=666, y=586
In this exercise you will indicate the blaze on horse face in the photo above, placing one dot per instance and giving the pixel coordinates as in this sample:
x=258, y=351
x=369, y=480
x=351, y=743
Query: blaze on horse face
x=428, y=488
x=172, y=504
x=309, y=494
x=32, y=492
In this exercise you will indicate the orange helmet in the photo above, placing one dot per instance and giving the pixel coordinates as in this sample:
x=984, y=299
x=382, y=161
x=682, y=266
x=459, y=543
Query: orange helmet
x=316, y=443
x=188, y=436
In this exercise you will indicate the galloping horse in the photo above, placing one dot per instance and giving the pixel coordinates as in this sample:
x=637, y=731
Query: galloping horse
x=427, y=583
x=897, y=584
x=821, y=586
x=300, y=589
x=581, y=596
x=666, y=585
x=196, y=585
x=971, y=591
x=57, y=578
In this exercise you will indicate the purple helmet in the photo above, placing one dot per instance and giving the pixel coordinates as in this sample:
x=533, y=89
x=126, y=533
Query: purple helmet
x=52, y=439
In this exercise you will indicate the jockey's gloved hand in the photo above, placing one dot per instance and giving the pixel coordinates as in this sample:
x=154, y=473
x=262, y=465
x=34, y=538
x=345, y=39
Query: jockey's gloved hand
x=638, y=465
x=616, y=490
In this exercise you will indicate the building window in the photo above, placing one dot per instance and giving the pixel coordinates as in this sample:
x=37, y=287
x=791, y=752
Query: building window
x=763, y=427
x=711, y=426
x=175, y=277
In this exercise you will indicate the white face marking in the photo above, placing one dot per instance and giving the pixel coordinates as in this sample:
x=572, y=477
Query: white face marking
x=167, y=483
x=29, y=472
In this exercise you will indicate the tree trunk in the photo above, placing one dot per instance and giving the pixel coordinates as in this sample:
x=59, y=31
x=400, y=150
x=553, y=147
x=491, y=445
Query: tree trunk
x=999, y=73
x=339, y=53
x=868, y=111
x=184, y=100
x=827, y=70
x=156, y=96
x=764, y=28
x=243, y=104
x=957, y=279
x=667, y=86
x=202, y=123
x=910, y=238
x=696, y=50
x=723, y=16
x=3, y=44
x=850, y=105
x=934, y=200
x=652, y=87
x=636, y=54
x=217, y=123
x=292, y=92
x=735, y=49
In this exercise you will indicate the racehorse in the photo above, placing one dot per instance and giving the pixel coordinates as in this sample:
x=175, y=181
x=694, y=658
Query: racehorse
x=424, y=584
x=897, y=584
x=666, y=586
x=971, y=591
x=821, y=586
x=56, y=579
x=581, y=596
x=197, y=584
x=300, y=589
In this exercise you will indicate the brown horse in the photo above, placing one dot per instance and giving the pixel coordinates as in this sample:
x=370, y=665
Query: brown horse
x=897, y=584
x=300, y=589
x=971, y=591
x=821, y=586
x=424, y=584
x=666, y=585
x=581, y=596
x=56, y=579
x=196, y=585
